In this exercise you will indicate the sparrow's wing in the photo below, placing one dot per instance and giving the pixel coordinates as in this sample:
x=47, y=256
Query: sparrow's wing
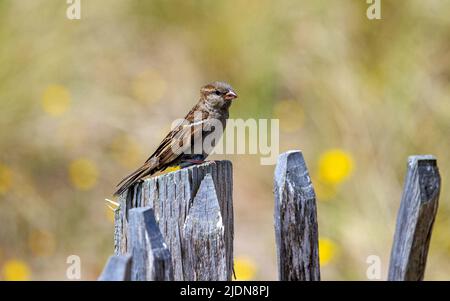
x=180, y=131
x=177, y=143
x=172, y=146
x=169, y=151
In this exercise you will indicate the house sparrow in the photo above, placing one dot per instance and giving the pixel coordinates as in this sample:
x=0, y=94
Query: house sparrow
x=176, y=149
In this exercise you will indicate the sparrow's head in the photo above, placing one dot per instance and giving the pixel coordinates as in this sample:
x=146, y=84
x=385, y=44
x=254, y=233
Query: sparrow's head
x=218, y=94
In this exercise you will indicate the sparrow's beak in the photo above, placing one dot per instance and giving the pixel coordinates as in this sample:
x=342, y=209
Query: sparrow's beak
x=230, y=95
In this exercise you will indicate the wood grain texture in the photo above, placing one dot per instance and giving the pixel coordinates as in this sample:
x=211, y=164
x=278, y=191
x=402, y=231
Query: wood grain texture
x=118, y=268
x=118, y=230
x=415, y=219
x=150, y=255
x=171, y=197
x=296, y=229
x=203, y=231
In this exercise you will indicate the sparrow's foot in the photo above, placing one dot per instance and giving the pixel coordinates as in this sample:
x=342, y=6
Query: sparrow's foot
x=190, y=162
x=195, y=161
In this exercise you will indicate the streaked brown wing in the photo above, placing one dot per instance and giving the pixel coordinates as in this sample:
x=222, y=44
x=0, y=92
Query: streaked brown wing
x=179, y=144
x=164, y=143
x=169, y=149
x=179, y=132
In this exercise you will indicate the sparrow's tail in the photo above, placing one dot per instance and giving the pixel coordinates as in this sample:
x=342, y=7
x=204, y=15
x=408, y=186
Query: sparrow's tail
x=133, y=178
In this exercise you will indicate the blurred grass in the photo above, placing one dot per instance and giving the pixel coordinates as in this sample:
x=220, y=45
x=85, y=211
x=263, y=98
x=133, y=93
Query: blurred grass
x=369, y=93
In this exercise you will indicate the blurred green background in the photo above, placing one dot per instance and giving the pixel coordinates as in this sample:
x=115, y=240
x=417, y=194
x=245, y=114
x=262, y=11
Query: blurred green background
x=83, y=102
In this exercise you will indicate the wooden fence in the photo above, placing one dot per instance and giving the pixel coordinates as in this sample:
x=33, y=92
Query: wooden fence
x=179, y=226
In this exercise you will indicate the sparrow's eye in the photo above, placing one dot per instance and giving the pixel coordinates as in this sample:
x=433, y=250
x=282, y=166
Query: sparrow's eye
x=217, y=92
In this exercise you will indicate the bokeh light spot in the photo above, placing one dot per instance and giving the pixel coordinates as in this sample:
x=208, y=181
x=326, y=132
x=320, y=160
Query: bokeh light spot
x=327, y=251
x=55, y=100
x=245, y=268
x=16, y=270
x=148, y=86
x=291, y=115
x=83, y=174
x=335, y=166
x=5, y=178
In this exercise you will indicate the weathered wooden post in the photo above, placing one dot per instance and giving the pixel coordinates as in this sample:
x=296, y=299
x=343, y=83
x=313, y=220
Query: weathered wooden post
x=118, y=268
x=151, y=258
x=203, y=231
x=415, y=219
x=193, y=208
x=296, y=229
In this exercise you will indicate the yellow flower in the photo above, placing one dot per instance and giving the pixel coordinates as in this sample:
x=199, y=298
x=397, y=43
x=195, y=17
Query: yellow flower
x=126, y=151
x=5, y=178
x=244, y=268
x=290, y=113
x=327, y=251
x=335, y=166
x=148, y=86
x=83, y=174
x=55, y=100
x=41, y=243
x=16, y=270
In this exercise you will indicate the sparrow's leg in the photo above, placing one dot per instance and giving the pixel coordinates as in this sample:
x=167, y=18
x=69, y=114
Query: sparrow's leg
x=194, y=160
x=190, y=162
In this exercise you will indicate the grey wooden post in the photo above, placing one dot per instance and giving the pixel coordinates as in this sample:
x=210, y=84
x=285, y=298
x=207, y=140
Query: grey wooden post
x=118, y=268
x=150, y=256
x=296, y=229
x=171, y=196
x=415, y=219
x=205, y=257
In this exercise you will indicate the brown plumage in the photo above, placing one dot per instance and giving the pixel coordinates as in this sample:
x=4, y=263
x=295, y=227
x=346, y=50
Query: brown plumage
x=215, y=100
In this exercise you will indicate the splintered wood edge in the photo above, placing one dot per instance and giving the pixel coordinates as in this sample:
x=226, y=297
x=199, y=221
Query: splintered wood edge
x=421, y=193
x=291, y=175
